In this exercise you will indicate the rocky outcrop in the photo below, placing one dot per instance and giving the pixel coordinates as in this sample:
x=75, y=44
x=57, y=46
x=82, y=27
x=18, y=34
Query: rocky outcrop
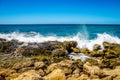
x=51, y=61
x=29, y=75
x=56, y=74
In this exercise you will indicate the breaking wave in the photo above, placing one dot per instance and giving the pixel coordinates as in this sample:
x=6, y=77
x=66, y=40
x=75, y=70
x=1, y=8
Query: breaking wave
x=81, y=39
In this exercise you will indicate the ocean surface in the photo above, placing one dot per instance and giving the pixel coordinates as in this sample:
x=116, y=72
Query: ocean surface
x=85, y=35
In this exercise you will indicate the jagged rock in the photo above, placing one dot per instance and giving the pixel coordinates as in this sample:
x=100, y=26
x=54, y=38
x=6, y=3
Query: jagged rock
x=97, y=53
x=12, y=76
x=39, y=65
x=113, y=74
x=56, y=74
x=111, y=54
x=69, y=44
x=112, y=47
x=93, y=70
x=5, y=72
x=92, y=61
x=24, y=69
x=66, y=63
x=82, y=77
x=85, y=51
x=109, y=63
x=21, y=65
x=59, y=52
x=7, y=47
x=75, y=50
x=68, y=66
x=41, y=72
x=2, y=40
x=29, y=75
x=96, y=47
x=51, y=67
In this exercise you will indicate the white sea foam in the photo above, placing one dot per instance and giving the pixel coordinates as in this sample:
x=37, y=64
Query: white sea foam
x=82, y=41
x=78, y=56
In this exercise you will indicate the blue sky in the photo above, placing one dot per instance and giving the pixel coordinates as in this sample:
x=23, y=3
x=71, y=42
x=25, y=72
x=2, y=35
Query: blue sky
x=59, y=11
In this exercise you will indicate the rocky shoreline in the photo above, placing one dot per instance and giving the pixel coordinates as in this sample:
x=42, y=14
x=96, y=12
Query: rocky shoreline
x=54, y=60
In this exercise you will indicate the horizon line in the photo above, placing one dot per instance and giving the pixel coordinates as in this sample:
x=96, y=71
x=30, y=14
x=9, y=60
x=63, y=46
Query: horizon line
x=61, y=24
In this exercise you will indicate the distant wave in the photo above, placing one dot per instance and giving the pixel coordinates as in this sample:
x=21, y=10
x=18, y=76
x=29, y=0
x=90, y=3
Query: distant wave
x=80, y=38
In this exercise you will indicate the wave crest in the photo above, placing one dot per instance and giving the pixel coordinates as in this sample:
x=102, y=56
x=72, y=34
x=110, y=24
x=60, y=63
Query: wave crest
x=80, y=38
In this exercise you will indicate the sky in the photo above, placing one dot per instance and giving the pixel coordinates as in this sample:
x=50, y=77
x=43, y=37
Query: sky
x=59, y=11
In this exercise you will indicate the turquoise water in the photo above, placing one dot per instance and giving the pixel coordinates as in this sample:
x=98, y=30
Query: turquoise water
x=90, y=31
x=85, y=35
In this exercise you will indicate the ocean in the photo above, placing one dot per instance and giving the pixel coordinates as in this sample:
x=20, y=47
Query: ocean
x=85, y=35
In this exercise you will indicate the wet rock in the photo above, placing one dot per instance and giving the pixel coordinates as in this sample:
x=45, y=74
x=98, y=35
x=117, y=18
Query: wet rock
x=2, y=40
x=56, y=74
x=97, y=53
x=7, y=47
x=69, y=44
x=60, y=52
x=111, y=54
x=29, y=75
x=112, y=47
x=85, y=51
x=106, y=45
x=92, y=61
x=109, y=63
x=96, y=47
x=75, y=50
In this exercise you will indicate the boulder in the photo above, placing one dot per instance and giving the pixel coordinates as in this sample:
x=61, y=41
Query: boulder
x=111, y=54
x=22, y=64
x=29, y=75
x=52, y=67
x=109, y=63
x=11, y=76
x=97, y=53
x=113, y=74
x=59, y=53
x=96, y=47
x=56, y=74
x=75, y=50
x=82, y=77
x=5, y=73
x=39, y=65
x=41, y=72
x=85, y=51
x=112, y=47
x=69, y=44
x=93, y=70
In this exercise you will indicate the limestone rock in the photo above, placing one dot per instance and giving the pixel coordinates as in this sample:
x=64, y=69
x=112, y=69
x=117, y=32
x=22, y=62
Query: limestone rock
x=56, y=74
x=29, y=75
x=93, y=70
x=5, y=72
x=75, y=50
x=39, y=65
x=96, y=47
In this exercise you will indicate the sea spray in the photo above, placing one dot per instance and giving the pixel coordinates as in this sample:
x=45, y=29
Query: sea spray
x=82, y=42
x=85, y=32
